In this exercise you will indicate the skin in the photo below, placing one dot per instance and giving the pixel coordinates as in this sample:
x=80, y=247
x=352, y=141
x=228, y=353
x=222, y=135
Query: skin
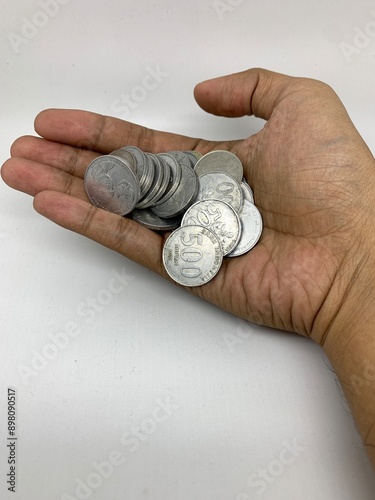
x=313, y=176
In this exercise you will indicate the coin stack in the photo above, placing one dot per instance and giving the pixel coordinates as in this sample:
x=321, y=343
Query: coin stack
x=204, y=200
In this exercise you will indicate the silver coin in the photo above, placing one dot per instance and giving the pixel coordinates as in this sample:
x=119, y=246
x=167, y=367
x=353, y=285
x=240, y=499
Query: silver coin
x=157, y=183
x=193, y=157
x=127, y=156
x=140, y=160
x=192, y=255
x=247, y=191
x=151, y=221
x=111, y=184
x=220, y=186
x=167, y=181
x=181, y=158
x=175, y=176
x=183, y=197
x=220, y=161
x=218, y=217
x=252, y=226
x=148, y=179
x=139, y=163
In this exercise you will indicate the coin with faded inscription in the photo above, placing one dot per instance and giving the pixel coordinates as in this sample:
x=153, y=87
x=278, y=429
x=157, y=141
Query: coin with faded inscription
x=217, y=216
x=181, y=158
x=192, y=255
x=220, y=186
x=125, y=155
x=111, y=184
x=220, y=161
x=183, y=197
x=252, y=226
x=193, y=156
x=148, y=219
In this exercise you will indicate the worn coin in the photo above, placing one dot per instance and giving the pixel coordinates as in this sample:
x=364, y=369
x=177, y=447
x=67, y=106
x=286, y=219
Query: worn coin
x=183, y=197
x=158, y=182
x=247, y=191
x=142, y=165
x=167, y=181
x=220, y=186
x=148, y=219
x=181, y=158
x=217, y=216
x=220, y=161
x=252, y=226
x=192, y=255
x=111, y=184
x=193, y=156
x=126, y=156
x=175, y=175
x=147, y=180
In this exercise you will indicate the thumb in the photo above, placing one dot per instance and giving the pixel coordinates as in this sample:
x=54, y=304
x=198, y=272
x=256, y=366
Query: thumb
x=252, y=92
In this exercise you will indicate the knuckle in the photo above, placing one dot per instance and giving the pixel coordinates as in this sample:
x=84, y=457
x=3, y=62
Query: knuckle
x=68, y=183
x=87, y=221
x=125, y=230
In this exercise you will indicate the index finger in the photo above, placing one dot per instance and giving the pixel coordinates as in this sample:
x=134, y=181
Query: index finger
x=84, y=129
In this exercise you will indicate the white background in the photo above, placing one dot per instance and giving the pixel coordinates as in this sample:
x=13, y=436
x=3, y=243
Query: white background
x=239, y=395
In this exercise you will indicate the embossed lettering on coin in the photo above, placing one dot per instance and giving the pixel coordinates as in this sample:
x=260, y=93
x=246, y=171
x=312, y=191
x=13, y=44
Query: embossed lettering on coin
x=217, y=216
x=220, y=186
x=192, y=255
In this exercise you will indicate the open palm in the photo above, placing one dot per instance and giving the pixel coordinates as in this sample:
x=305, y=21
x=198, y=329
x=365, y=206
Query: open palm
x=304, y=169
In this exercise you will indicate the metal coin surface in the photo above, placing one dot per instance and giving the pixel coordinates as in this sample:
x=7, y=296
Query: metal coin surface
x=223, y=161
x=148, y=178
x=157, y=183
x=167, y=181
x=111, y=184
x=139, y=164
x=126, y=156
x=218, y=217
x=174, y=177
x=192, y=255
x=193, y=157
x=140, y=161
x=151, y=221
x=252, y=226
x=181, y=158
x=220, y=186
x=247, y=191
x=183, y=197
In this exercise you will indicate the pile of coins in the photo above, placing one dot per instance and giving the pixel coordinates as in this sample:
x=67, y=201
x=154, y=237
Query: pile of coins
x=204, y=200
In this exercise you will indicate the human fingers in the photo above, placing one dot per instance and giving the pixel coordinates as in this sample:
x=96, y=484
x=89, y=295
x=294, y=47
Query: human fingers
x=104, y=134
x=117, y=233
x=145, y=247
x=32, y=177
x=60, y=156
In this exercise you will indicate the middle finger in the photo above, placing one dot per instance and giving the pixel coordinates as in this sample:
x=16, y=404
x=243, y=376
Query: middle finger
x=32, y=177
x=67, y=158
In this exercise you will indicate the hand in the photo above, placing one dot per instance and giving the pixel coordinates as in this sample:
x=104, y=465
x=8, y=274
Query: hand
x=311, y=173
x=313, y=270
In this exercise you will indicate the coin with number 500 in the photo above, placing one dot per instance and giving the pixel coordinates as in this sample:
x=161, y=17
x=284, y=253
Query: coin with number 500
x=192, y=255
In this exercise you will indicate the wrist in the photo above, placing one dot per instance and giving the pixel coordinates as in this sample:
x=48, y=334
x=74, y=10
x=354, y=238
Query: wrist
x=349, y=343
